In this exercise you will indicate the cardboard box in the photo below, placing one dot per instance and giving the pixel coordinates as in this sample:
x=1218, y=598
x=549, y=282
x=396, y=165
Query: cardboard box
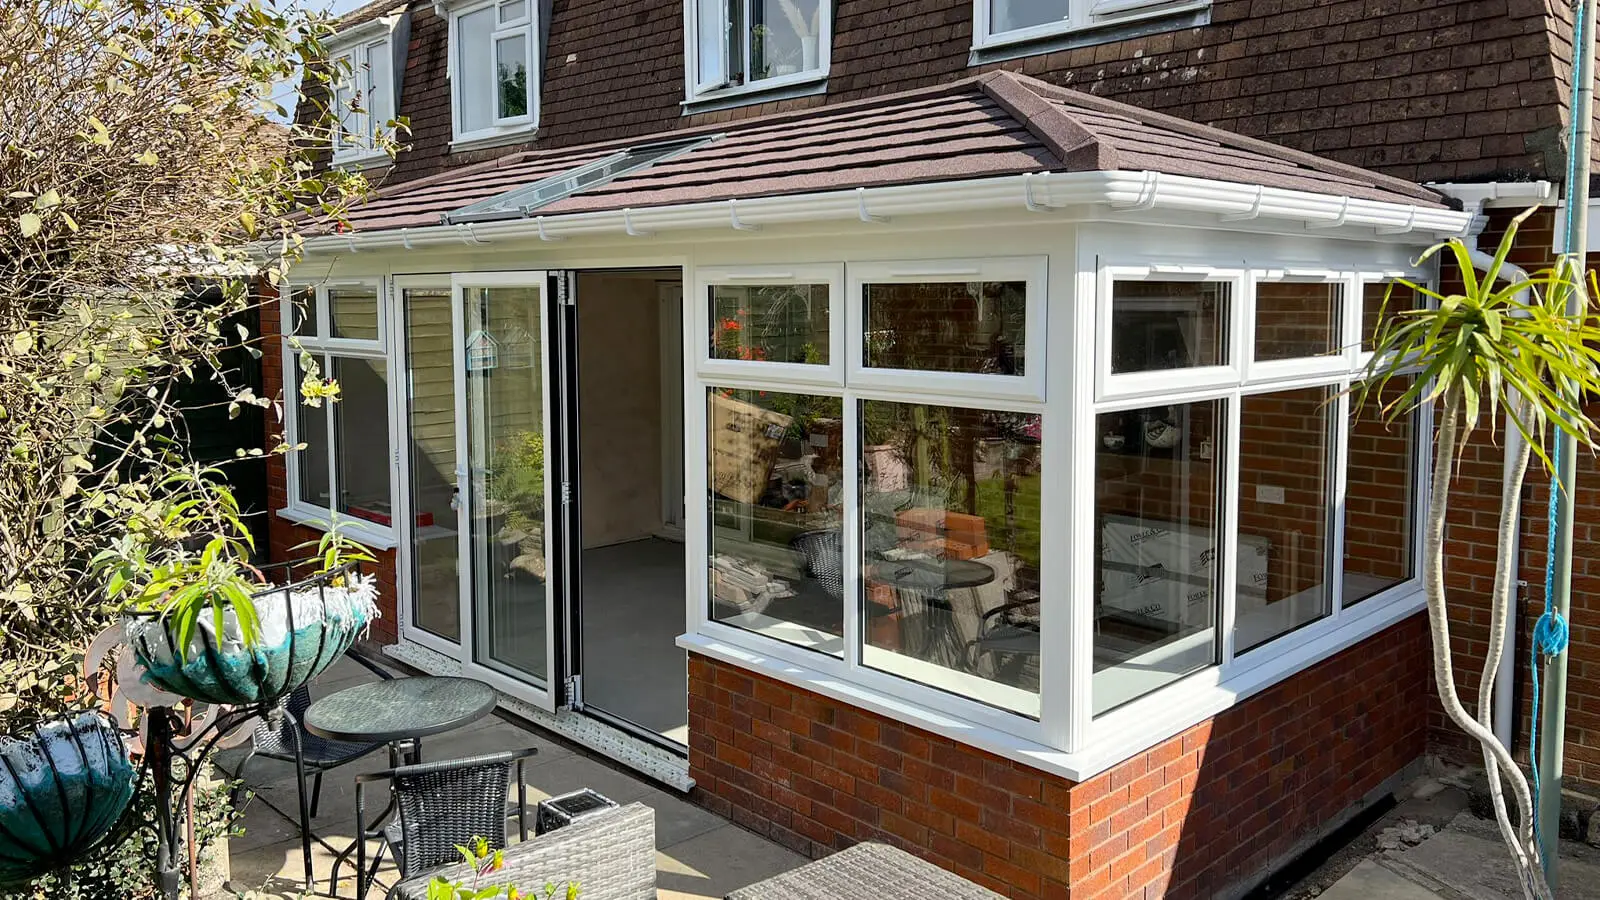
x=939, y=532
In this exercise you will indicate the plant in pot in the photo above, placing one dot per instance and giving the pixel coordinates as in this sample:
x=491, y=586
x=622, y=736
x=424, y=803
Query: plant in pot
x=204, y=623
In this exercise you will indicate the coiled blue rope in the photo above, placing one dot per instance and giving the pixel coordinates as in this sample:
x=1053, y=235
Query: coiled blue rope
x=1550, y=633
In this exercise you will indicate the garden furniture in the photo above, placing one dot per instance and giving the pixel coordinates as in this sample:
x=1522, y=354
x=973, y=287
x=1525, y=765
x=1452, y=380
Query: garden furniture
x=878, y=871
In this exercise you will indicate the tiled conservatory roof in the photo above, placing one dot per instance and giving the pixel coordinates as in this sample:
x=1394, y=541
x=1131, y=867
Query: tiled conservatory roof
x=995, y=124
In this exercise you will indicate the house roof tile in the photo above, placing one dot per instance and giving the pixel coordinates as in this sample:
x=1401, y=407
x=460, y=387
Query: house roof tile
x=995, y=124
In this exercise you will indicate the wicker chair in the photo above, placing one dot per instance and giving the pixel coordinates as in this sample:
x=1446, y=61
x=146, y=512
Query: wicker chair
x=274, y=738
x=824, y=557
x=610, y=855
x=440, y=806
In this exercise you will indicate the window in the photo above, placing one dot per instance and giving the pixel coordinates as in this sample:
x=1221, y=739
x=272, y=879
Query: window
x=364, y=99
x=344, y=471
x=1013, y=21
x=755, y=44
x=493, y=70
x=881, y=508
x=1380, y=498
x=1152, y=322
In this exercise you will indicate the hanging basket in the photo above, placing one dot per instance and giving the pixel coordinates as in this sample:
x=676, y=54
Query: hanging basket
x=305, y=626
x=64, y=786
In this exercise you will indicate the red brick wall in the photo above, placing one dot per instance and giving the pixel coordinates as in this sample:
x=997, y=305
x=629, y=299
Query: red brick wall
x=1213, y=807
x=283, y=536
x=1437, y=90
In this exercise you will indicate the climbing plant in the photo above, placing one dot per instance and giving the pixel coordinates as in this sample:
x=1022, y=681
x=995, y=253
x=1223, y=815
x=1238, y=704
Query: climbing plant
x=1494, y=350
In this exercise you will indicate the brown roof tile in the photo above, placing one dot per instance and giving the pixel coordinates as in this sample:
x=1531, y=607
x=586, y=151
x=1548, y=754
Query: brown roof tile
x=995, y=124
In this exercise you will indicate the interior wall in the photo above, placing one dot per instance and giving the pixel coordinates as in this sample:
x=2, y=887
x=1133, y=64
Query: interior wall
x=619, y=397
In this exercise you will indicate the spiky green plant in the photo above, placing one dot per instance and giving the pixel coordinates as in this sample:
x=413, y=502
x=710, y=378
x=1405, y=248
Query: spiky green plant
x=1494, y=349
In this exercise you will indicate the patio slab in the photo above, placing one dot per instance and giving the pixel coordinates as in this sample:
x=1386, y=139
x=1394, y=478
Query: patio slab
x=699, y=854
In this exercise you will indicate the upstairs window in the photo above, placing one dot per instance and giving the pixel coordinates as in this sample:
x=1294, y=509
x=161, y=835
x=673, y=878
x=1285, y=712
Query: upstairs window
x=1013, y=21
x=363, y=98
x=738, y=45
x=493, y=53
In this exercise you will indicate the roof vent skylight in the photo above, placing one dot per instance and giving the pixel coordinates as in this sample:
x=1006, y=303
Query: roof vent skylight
x=523, y=201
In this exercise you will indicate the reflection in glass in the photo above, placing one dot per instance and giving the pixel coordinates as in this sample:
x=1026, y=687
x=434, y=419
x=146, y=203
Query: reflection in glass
x=506, y=453
x=1158, y=519
x=311, y=429
x=511, y=76
x=1296, y=320
x=303, y=312
x=353, y=312
x=1168, y=325
x=1284, y=506
x=430, y=438
x=775, y=506
x=785, y=323
x=977, y=327
x=1380, y=305
x=477, y=92
x=361, y=439
x=1380, y=498
x=1010, y=15
x=950, y=518
x=784, y=37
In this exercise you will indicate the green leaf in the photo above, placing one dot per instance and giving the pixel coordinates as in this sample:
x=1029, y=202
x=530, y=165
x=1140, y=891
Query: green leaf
x=22, y=343
x=30, y=223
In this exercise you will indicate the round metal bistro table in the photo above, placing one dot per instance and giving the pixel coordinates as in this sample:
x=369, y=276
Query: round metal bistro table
x=401, y=710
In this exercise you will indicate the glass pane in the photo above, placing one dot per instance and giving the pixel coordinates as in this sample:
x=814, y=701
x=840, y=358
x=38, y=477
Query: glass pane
x=775, y=466
x=976, y=327
x=476, y=88
x=785, y=323
x=1380, y=305
x=511, y=76
x=1380, y=499
x=311, y=429
x=506, y=446
x=431, y=443
x=950, y=518
x=1284, y=511
x=784, y=36
x=513, y=11
x=303, y=312
x=1168, y=325
x=379, y=91
x=353, y=312
x=1009, y=15
x=1297, y=320
x=1158, y=516
x=361, y=439
x=711, y=44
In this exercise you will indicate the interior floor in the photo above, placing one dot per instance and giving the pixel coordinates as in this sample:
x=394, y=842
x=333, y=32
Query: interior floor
x=632, y=616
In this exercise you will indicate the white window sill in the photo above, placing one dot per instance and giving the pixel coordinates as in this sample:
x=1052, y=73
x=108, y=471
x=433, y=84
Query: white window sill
x=372, y=535
x=1116, y=736
x=800, y=84
x=499, y=137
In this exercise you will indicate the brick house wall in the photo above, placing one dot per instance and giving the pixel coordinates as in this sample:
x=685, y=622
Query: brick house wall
x=1435, y=91
x=1213, y=808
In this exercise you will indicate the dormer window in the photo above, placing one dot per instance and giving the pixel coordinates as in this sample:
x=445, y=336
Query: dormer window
x=493, y=71
x=749, y=46
x=364, y=99
x=1004, y=22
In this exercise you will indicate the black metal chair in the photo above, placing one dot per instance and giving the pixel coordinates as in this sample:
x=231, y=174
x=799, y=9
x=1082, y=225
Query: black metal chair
x=438, y=807
x=274, y=738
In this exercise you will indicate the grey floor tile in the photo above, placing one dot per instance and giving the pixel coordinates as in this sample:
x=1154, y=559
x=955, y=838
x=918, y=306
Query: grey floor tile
x=719, y=861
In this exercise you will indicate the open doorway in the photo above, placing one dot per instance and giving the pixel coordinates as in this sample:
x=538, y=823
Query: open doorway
x=630, y=487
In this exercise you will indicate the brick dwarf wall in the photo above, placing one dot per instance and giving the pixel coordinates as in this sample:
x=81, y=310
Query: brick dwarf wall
x=1214, y=807
x=283, y=536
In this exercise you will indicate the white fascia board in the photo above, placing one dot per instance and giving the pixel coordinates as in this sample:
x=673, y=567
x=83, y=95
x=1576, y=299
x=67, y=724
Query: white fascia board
x=1137, y=193
x=355, y=34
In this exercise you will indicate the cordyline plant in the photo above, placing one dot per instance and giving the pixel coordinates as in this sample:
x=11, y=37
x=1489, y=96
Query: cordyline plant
x=139, y=161
x=1495, y=349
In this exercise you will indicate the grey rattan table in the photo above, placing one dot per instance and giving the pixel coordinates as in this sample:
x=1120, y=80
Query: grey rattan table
x=875, y=871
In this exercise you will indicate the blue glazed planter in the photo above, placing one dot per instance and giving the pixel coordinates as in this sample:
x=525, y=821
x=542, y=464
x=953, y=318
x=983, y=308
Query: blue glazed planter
x=63, y=789
x=305, y=627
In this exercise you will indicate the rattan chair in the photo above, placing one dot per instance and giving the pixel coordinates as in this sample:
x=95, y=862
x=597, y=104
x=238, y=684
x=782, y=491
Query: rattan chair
x=274, y=738
x=438, y=807
x=824, y=558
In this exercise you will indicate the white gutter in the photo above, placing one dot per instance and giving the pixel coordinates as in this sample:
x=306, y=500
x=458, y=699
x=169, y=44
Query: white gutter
x=1129, y=191
x=1477, y=198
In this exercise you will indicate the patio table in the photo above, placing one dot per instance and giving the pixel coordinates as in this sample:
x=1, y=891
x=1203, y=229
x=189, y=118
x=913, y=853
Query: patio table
x=878, y=871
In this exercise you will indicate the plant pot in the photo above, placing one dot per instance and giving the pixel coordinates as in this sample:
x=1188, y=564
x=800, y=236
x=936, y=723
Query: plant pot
x=304, y=628
x=64, y=787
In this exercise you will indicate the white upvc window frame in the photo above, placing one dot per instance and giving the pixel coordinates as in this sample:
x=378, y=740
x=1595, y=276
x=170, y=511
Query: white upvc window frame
x=352, y=60
x=1111, y=387
x=1082, y=15
x=829, y=375
x=1033, y=271
x=502, y=129
x=1152, y=713
x=297, y=509
x=1342, y=360
x=696, y=89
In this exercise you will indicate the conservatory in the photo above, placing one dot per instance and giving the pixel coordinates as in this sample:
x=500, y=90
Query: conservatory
x=1007, y=414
